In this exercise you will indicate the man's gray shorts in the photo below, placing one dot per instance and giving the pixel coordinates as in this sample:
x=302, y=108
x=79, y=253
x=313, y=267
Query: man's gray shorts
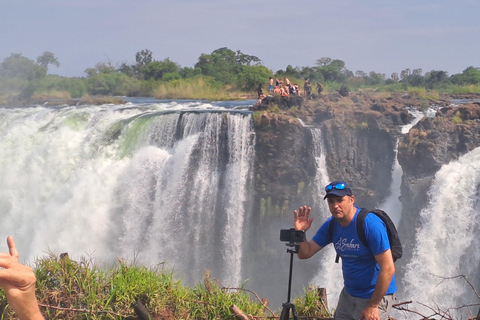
x=350, y=308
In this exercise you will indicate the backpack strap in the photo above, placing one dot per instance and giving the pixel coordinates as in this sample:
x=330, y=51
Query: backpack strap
x=331, y=226
x=361, y=226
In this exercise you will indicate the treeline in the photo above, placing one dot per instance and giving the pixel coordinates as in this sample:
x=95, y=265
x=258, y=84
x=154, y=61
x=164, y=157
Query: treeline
x=222, y=74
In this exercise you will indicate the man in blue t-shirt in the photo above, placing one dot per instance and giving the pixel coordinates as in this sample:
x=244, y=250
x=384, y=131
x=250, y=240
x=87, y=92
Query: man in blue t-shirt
x=368, y=272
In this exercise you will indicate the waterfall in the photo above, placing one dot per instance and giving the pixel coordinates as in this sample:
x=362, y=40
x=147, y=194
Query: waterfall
x=447, y=242
x=392, y=204
x=329, y=274
x=130, y=181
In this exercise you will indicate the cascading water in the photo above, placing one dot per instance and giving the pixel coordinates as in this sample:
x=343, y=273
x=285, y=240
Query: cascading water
x=131, y=181
x=447, y=242
x=329, y=274
x=392, y=204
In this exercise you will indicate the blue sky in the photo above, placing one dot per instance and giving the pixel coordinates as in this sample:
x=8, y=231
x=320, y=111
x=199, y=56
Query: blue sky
x=369, y=35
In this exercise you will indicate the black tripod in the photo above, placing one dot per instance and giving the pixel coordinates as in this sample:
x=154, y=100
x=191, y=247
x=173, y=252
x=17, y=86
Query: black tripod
x=287, y=306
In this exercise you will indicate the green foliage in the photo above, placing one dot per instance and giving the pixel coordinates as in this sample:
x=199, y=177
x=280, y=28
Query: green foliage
x=469, y=76
x=333, y=71
x=395, y=87
x=251, y=76
x=19, y=67
x=417, y=92
x=463, y=89
x=373, y=79
x=224, y=65
x=67, y=289
x=415, y=80
x=47, y=58
x=11, y=87
x=436, y=78
x=170, y=76
x=117, y=84
x=273, y=108
x=191, y=88
x=310, y=305
x=77, y=87
x=457, y=118
x=157, y=69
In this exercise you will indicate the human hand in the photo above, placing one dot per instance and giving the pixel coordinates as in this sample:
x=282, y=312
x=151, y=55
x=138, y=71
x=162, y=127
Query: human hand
x=302, y=220
x=370, y=313
x=18, y=281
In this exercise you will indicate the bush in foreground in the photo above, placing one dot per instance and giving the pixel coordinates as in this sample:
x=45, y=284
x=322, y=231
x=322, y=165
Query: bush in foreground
x=67, y=289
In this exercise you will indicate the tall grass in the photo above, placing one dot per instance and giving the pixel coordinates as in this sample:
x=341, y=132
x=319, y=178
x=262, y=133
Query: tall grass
x=197, y=88
x=67, y=289
x=454, y=89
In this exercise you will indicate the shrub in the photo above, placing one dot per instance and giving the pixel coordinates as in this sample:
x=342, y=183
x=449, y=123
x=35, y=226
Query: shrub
x=67, y=289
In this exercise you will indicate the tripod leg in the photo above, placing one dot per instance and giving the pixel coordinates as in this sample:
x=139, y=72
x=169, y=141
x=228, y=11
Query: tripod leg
x=294, y=312
x=285, y=315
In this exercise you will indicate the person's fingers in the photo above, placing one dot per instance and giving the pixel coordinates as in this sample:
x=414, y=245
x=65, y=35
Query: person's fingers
x=12, y=248
x=303, y=210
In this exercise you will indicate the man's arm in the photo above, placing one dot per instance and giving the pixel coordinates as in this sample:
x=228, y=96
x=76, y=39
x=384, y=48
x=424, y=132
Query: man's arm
x=387, y=270
x=308, y=249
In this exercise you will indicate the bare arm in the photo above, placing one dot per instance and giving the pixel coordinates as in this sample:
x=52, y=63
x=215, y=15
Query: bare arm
x=304, y=222
x=18, y=281
x=387, y=270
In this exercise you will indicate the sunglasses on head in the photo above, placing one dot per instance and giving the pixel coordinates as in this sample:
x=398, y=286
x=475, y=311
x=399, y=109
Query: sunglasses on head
x=338, y=186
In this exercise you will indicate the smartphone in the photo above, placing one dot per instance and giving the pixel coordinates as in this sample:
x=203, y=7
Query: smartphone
x=292, y=235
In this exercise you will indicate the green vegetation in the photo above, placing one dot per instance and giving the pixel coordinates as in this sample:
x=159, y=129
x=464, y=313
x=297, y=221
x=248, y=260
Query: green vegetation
x=67, y=289
x=223, y=74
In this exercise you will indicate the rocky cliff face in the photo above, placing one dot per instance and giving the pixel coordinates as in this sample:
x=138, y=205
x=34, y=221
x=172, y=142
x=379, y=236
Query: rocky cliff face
x=284, y=166
x=359, y=135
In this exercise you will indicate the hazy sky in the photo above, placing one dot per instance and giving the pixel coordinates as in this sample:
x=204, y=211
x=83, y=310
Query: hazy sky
x=384, y=36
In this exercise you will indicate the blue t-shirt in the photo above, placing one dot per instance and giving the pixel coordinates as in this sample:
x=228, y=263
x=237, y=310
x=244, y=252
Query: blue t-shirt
x=360, y=270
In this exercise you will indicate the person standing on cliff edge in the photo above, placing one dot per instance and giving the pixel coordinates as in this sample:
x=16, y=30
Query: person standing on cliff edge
x=368, y=272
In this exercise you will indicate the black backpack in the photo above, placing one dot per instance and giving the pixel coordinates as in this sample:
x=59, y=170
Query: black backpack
x=393, y=238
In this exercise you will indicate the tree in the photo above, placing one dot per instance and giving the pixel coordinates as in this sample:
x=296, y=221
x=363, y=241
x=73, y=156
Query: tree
x=333, y=71
x=322, y=62
x=360, y=74
x=247, y=60
x=374, y=79
x=417, y=72
x=415, y=80
x=251, y=76
x=47, y=58
x=188, y=72
x=144, y=57
x=469, y=76
x=101, y=68
x=224, y=64
x=127, y=69
x=157, y=69
x=405, y=73
x=20, y=67
x=309, y=73
x=435, y=77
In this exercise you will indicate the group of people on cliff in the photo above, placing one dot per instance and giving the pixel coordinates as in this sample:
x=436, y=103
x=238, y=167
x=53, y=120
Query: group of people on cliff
x=285, y=88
